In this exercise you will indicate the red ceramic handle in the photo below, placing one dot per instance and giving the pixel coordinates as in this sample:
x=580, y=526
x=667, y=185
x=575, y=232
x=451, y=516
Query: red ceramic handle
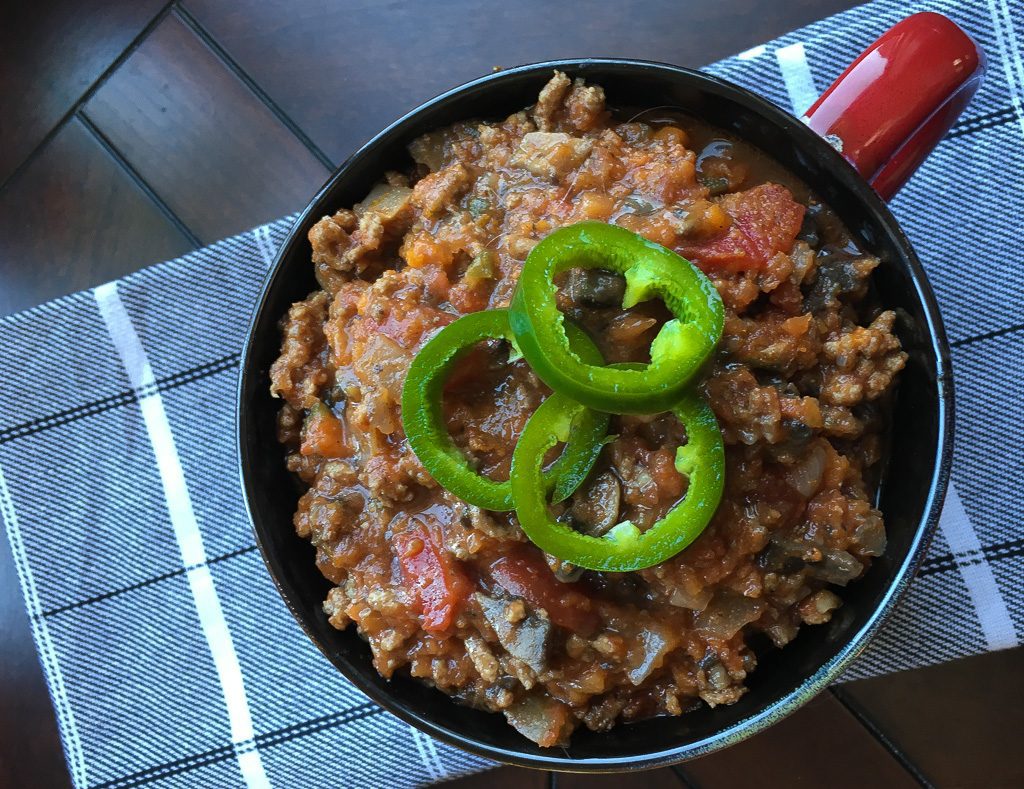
x=891, y=107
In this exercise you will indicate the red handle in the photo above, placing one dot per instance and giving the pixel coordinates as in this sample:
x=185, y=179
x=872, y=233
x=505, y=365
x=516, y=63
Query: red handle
x=891, y=107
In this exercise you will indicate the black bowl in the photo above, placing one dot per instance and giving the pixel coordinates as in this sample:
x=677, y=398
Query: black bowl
x=910, y=495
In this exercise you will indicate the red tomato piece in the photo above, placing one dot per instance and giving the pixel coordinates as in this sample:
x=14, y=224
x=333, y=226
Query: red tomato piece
x=434, y=576
x=324, y=434
x=523, y=572
x=765, y=221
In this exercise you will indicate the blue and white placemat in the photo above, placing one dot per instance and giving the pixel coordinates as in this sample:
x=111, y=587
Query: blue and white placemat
x=171, y=659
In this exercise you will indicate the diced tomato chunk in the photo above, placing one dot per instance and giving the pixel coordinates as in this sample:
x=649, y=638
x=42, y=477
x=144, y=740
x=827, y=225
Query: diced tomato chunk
x=434, y=576
x=523, y=572
x=765, y=221
x=323, y=434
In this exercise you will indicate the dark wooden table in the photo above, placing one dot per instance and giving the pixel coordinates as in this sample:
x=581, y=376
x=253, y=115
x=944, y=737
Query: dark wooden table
x=135, y=130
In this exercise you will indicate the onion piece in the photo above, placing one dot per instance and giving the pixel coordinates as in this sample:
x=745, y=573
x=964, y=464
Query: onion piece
x=428, y=150
x=727, y=614
x=805, y=477
x=681, y=598
x=870, y=536
x=781, y=632
x=385, y=200
x=654, y=643
x=382, y=366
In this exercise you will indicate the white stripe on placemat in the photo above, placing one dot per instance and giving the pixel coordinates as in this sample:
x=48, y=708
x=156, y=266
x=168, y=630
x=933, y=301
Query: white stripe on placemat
x=265, y=245
x=1015, y=52
x=993, y=615
x=797, y=76
x=753, y=52
x=47, y=654
x=1006, y=38
x=186, y=530
x=418, y=739
x=432, y=748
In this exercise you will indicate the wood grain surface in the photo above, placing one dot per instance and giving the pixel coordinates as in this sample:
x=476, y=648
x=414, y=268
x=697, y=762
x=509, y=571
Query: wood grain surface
x=134, y=130
x=74, y=217
x=190, y=127
x=51, y=53
x=381, y=59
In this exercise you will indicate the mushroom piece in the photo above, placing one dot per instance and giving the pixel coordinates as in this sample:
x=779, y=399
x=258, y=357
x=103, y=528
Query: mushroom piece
x=526, y=639
x=596, y=509
x=837, y=567
x=595, y=287
x=541, y=719
x=564, y=571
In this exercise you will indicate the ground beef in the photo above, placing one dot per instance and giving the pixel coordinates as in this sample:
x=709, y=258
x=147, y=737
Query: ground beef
x=799, y=385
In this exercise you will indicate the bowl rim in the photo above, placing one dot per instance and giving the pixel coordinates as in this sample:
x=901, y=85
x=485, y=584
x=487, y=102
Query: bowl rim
x=902, y=573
